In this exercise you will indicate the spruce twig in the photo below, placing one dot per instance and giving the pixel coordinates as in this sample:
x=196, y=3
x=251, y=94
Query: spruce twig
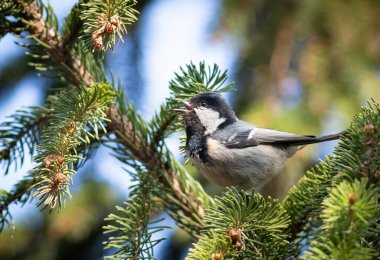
x=24, y=129
x=21, y=193
x=44, y=34
x=119, y=124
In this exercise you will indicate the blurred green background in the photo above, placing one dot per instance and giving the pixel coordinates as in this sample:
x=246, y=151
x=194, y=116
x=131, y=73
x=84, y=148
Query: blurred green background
x=299, y=66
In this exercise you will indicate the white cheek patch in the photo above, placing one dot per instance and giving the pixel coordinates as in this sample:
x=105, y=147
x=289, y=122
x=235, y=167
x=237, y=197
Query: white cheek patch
x=209, y=118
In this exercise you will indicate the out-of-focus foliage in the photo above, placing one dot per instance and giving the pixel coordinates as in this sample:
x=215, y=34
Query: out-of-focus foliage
x=330, y=47
x=72, y=233
x=303, y=66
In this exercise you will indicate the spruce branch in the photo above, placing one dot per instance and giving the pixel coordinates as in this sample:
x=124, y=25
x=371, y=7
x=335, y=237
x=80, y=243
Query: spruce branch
x=162, y=124
x=200, y=78
x=21, y=193
x=131, y=226
x=47, y=37
x=355, y=158
x=23, y=190
x=74, y=115
x=22, y=130
x=179, y=184
x=359, y=155
x=132, y=230
x=10, y=8
x=357, y=161
x=191, y=80
x=194, y=80
x=303, y=202
x=7, y=26
x=104, y=21
x=72, y=26
x=181, y=194
x=310, y=191
x=241, y=226
x=347, y=215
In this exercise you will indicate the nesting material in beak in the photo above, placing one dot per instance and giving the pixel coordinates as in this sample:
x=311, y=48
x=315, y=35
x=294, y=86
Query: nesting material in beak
x=180, y=110
x=187, y=104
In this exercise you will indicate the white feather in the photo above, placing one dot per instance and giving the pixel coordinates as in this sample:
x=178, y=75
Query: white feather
x=251, y=134
x=209, y=118
x=232, y=137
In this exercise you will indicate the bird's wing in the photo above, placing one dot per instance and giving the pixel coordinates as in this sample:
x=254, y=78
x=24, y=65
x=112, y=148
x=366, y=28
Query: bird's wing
x=246, y=135
x=240, y=140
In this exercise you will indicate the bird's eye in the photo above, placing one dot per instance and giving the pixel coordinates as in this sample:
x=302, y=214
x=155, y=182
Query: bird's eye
x=203, y=104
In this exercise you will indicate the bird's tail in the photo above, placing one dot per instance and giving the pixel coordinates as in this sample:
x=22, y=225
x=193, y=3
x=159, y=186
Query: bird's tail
x=294, y=140
x=319, y=139
x=324, y=138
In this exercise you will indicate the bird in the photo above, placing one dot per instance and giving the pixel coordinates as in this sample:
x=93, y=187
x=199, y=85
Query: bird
x=232, y=152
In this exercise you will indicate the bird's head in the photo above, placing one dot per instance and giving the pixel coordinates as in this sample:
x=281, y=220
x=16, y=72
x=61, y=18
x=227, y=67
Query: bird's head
x=208, y=111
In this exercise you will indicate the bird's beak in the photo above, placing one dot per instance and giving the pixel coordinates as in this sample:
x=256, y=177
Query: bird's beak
x=180, y=110
x=187, y=104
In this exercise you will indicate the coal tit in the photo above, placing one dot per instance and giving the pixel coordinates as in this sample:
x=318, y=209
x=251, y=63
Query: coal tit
x=232, y=152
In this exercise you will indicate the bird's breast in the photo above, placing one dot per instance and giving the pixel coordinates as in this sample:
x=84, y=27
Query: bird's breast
x=245, y=168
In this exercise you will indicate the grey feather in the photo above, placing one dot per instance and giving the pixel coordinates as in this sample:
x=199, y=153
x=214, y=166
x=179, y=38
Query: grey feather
x=249, y=135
